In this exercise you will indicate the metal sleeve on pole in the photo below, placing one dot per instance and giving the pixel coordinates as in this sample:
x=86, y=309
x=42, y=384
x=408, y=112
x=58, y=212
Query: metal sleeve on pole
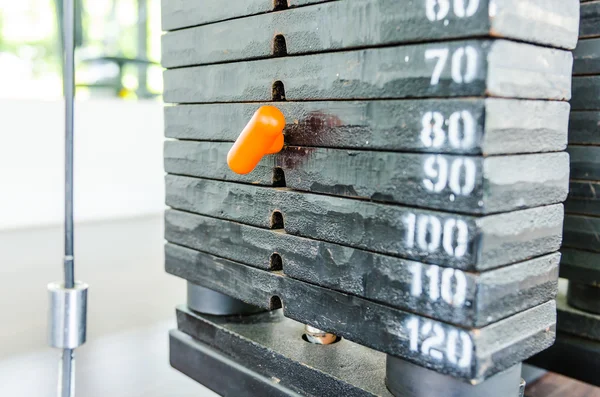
x=67, y=315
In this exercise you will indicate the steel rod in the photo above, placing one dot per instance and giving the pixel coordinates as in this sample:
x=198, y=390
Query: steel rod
x=66, y=380
x=66, y=386
x=69, y=93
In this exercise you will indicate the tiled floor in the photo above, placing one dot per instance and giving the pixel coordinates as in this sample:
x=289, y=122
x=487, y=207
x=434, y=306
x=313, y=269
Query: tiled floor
x=128, y=364
x=131, y=307
x=121, y=260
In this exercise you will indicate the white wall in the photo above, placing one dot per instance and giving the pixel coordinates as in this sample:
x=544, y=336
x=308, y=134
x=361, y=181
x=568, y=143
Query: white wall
x=119, y=198
x=118, y=161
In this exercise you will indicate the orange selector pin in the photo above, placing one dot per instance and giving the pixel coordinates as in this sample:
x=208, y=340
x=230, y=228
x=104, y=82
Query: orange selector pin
x=262, y=135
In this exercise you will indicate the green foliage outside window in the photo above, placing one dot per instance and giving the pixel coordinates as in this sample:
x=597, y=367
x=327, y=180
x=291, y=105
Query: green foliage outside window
x=111, y=58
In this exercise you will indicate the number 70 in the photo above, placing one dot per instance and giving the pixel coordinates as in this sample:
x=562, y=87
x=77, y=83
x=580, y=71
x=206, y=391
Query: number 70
x=458, y=74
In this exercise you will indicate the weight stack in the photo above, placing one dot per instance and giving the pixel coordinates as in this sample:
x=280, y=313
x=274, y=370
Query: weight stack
x=415, y=210
x=577, y=350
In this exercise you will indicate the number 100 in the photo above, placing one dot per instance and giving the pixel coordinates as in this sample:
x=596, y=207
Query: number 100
x=426, y=232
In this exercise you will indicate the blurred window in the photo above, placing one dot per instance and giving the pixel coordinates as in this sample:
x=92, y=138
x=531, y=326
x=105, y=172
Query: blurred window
x=117, y=55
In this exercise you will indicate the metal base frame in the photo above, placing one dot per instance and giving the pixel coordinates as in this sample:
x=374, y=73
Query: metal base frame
x=218, y=372
x=264, y=355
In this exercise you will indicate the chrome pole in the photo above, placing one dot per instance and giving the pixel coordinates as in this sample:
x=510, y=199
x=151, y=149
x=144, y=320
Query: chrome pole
x=68, y=300
x=69, y=93
x=66, y=385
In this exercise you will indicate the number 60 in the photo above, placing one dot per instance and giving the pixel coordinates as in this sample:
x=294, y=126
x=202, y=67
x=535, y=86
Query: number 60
x=461, y=9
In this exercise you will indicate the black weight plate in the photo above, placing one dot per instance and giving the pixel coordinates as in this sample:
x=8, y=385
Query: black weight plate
x=469, y=354
x=586, y=93
x=582, y=232
x=466, y=184
x=581, y=266
x=589, y=25
x=184, y=13
x=491, y=241
x=573, y=356
x=585, y=297
x=405, y=125
x=369, y=23
x=584, y=198
x=586, y=57
x=446, y=294
x=449, y=69
x=584, y=127
x=585, y=162
x=576, y=322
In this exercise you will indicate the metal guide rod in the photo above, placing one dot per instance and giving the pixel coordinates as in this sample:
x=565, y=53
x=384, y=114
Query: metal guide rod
x=68, y=300
x=69, y=93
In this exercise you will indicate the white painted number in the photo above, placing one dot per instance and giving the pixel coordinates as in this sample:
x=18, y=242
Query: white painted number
x=452, y=288
x=426, y=233
x=462, y=167
x=443, y=7
x=436, y=169
x=459, y=175
x=431, y=346
x=442, y=56
x=468, y=75
x=437, y=10
x=461, y=130
x=433, y=134
x=458, y=296
x=429, y=232
x=467, y=138
x=434, y=280
x=413, y=326
x=439, y=346
x=456, y=235
x=410, y=221
x=463, y=10
x=465, y=359
x=462, y=55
